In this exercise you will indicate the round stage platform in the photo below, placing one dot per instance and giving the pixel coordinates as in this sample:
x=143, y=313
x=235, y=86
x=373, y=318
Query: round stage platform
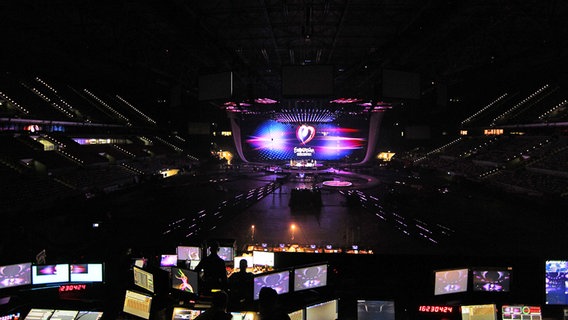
x=337, y=184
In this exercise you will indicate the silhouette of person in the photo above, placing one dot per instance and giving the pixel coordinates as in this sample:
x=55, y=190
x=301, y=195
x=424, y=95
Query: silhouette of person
x=241, y=287
x=218, y=309
x=268, y=306
x=214, y=272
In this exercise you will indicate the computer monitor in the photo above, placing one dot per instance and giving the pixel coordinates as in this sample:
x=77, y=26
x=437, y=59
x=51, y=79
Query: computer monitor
x=556, y=288
x=140, y=262
x=87, y=272
x=277, y=280
x=263, y=258
x=516, y=312
x=185, y=280
x=450, y=281
x=322, y=311
x=375, y=310
x=310, y=277
x=137, y=304
x=168, y=260
x=15, y=275
x=89, y=315
x=180, y=313
x=189, y=253
x=238, y=261
x=225, y=252
x=50, y=274
x=479, y=312
x=64, y=314
x=491, y=280
x=245, y=315
x=143, y=279
x=296, y=315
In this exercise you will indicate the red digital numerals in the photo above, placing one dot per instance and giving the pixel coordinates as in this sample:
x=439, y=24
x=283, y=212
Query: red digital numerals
x=72, y=287
x=436, y=309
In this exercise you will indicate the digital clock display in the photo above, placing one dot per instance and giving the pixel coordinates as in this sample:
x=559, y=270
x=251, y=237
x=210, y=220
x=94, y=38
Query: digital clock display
x=435, y=309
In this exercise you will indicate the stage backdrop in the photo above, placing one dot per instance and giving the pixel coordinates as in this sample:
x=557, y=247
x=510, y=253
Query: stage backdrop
x=264, y=140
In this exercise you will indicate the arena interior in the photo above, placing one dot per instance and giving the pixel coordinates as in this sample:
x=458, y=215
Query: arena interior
x=370, y=159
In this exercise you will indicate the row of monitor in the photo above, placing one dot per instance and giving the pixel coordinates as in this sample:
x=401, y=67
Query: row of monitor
x=485, y=279
x=283, y=281
x=140, y=305
x=22, y=274
x=499, y=280
x=385, y=310
x=56, y=314
x=194, y=254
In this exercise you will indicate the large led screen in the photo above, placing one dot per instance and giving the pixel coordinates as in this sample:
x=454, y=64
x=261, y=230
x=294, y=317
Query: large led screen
x=556, y=277
x=272, y=140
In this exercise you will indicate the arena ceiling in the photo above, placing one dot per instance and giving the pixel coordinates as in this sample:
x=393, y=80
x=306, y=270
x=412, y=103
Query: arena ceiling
x=159, y=46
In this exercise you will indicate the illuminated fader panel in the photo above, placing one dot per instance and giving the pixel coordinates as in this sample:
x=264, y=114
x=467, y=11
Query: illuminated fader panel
x=521, y=313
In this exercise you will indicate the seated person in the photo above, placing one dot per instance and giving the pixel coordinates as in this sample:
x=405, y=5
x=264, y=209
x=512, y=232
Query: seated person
x=241, y=287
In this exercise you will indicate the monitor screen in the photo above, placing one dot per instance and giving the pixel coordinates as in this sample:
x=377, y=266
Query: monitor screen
x=322, y=311
x=64, y=315
x=238, y=259
x=450, y=281
x=168, y=260
x=189, y=253
x=226, y=253
x=310, y=277
x=491, y=280
x=143, y=279
x=523, y=312
x=137, y=304
x=90, y=315
x=87, y=272
x=279, y=281
x=184, y=280
x=15, y=275
x=245, y=315
x=375, y=310
x=180, y=313
x=263, y=258
x=48, y=274
x=479, y=312
x=297, y=315
x=556, y=274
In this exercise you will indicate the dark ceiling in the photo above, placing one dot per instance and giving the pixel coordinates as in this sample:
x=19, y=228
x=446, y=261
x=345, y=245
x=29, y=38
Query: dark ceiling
x=159, y=46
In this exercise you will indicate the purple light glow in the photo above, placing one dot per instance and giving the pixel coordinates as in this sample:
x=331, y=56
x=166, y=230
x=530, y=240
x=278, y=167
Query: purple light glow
x=346, y=100
x=265, y=101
